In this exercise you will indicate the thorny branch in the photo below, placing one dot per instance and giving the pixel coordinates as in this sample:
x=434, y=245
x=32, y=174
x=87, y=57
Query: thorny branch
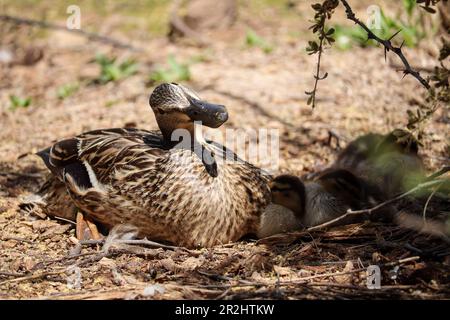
x=388, y=46
x=323, y=12
x=438, y=91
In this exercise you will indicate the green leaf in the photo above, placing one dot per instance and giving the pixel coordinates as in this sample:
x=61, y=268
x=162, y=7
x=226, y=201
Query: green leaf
x=409, y=6
x=174, y=72
x=66, y=90
x=17, y=102
x=111, y=70
x=254, y=40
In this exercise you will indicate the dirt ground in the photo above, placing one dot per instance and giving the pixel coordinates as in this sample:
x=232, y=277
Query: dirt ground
x=362, y=94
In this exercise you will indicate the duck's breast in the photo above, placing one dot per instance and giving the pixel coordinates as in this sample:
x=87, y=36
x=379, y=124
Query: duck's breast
x=178, y=200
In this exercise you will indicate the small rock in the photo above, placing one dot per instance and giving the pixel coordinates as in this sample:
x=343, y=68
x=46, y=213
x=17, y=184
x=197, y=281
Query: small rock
x=151, y=290
x=6, y=56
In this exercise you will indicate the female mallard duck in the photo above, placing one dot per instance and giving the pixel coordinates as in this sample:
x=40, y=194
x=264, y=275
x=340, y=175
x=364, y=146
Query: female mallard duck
x=370, y=170
x=186, y=193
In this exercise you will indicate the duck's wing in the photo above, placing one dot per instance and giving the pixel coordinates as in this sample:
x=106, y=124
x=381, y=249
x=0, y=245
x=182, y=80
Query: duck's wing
x=89, y=158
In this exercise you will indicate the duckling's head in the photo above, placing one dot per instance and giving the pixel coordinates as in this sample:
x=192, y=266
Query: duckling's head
x=398, y=140
x=178, y=107
x=289, y=191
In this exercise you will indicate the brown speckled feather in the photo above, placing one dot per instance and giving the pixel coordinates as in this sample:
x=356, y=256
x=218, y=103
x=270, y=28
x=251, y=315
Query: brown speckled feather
x=117, y=176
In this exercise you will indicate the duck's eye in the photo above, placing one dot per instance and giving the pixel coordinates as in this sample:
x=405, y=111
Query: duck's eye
x=286, y=193
x=160, y=111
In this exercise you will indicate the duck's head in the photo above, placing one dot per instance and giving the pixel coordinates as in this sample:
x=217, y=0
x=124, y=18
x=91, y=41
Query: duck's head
x=289, y=191
x=178, y=107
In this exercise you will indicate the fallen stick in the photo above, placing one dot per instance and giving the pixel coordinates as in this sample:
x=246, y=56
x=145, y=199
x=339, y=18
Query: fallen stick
x=144, y=242
x=90, y=35
x=33, y=276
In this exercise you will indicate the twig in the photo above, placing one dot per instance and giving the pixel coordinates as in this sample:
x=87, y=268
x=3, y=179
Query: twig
x=401, y=196
x=18, y=239
x=371, y=210
x=20, y=174
x=11, y=274
x=144, y=242
x=65, y=220
x=424, y=214
x=389, y=264
x=401, y=261
x=333, y=134
x=359, y=288
x=387, y=45
x=323, y=12
x=69, y=257
x=317, y=77
x=33, y=276
x=94, y=258
x=438, y=174
x=89, y=35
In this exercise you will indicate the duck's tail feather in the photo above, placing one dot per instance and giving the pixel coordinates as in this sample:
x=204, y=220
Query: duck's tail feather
x=45, y=156
x=52, y=200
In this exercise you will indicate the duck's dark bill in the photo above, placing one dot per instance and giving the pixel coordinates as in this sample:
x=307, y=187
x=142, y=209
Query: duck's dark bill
x=211, y=115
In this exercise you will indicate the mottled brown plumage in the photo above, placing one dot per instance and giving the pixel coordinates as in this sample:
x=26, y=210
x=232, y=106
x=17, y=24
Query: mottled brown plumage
x=170, y=193
x=51, y=200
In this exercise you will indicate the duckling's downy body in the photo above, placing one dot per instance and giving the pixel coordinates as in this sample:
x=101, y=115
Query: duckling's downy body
x=171, y=193
x=389, y=161
x=312, y=203
x=372, y=169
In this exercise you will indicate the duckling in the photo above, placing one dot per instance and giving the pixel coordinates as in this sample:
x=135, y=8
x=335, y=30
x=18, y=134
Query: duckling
x=370, y=170
x=297, y=204
x=284, y=212
x=190, y=195
x=389, y=161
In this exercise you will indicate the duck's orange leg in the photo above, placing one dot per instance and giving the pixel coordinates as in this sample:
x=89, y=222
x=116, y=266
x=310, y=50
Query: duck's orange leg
x=86, y=229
